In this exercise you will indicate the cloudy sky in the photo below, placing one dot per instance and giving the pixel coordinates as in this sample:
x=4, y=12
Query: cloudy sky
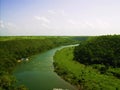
x=59, y=17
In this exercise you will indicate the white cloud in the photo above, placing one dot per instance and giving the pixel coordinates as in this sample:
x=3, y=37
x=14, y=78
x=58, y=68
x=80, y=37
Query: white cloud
x=89, y=24
x=37, y=17
x=57, y=12
x=94, y=26
x=71, y=22
x=10, y=24
x=43, y=19
x=51, y=12
x=101, y=23
x=44, y=25
x=9, y=28
x=63, y=13
x=7, y=25
x=2, y=24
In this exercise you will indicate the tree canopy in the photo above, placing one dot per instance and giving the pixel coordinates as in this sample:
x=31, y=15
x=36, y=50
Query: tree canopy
x=99, y=50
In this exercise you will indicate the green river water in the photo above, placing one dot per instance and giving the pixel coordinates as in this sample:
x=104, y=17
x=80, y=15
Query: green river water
x=38, y=73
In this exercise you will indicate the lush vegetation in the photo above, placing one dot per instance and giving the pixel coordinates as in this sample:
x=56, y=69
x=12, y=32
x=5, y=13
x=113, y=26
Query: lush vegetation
x=93, y=65
x=15, y=48
x=82, y=76
x=99, y=50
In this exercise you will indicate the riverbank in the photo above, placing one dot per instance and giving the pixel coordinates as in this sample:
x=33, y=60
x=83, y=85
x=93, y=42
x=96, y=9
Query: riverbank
x=38, y=74
x=82, y=76
x=17, y=49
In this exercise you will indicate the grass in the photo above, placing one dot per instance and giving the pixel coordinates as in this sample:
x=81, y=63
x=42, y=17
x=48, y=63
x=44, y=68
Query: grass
x=83, y=77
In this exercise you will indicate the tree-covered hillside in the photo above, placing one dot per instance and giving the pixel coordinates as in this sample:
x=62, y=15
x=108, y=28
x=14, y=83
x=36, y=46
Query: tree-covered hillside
x=84, y=77
x=93, y=65
x=99, y=50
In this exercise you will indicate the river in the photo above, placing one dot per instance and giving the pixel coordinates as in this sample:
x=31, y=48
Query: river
x=38, y=73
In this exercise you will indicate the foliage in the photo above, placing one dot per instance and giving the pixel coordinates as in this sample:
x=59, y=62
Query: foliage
x=6, y=81
x=13, y=48
x=99, y=50
x=84, y=77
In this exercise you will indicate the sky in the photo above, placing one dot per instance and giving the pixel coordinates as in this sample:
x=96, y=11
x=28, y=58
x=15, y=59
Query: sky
x=59, y=17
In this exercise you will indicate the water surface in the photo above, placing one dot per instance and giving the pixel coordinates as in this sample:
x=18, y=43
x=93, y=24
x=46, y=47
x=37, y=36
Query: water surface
x=38, y=73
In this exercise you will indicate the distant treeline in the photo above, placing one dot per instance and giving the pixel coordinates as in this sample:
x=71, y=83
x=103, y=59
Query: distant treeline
x=15, y=48
x=6, y=38
x=99, y=50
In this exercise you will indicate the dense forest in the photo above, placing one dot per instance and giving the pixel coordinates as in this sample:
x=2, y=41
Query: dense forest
x=99, y=50
x=16, y=48
x=93, y=65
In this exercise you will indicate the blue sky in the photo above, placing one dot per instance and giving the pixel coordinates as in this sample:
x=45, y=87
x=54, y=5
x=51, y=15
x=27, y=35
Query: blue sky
x=59, y=17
